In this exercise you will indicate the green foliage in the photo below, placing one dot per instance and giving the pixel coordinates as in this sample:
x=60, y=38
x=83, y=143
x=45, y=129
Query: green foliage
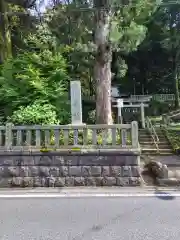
x=35, y=76
x=157, y=108
x=42, y=40
x=128, y=28
x=36, y=113
x=174, y=139
x=50, y=50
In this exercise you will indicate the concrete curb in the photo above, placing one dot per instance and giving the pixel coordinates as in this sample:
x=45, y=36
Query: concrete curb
x=89, y=190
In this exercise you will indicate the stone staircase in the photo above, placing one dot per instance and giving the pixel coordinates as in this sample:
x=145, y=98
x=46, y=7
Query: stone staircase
x=148, y=146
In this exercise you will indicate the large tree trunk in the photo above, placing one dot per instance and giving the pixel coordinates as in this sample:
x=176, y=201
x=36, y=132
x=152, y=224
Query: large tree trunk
x=175, y=59
x=176, y=90
x=5, y=33
x=175, y=73
x=102, y=67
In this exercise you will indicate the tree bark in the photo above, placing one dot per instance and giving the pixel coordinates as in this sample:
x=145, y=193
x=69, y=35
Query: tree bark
x=102, y=67
x=175, y=58
x=176, y=88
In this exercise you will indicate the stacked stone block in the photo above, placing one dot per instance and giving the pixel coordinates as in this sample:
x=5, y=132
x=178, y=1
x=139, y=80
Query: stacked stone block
x=61, y=171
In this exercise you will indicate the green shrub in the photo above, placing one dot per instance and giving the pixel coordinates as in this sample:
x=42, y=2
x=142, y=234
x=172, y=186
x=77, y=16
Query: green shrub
x=174, y=138
x=35, y=76
x=36, y=113
x=157, y=108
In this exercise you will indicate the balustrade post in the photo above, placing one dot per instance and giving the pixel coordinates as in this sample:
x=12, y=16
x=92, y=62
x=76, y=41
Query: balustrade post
x=134, y=134
x=8, y=135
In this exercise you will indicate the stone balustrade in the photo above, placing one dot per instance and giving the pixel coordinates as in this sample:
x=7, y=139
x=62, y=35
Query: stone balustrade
x=68, y=136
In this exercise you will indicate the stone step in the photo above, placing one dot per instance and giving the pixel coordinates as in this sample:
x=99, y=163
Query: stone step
x=154, y=150
x=147, y=146
x=173, y=161
x=146, y=143
x=161, y=136
x=168, y=181
x=150, y=141
x=164, y=147
x=164, y=144
x=160, y=133
x=149, y=149
x=164, y=154
x=146, y=140
x=145, y=137
x=168, y=148
x=144, y=134
x=161, y=148
x=161, y=142
x=162, y=139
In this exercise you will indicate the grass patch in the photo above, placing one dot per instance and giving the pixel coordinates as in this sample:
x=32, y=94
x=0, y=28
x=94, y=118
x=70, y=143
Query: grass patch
x=173, y=135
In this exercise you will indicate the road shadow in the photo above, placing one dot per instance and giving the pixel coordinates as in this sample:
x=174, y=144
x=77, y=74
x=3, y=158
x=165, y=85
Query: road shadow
x=163, y=195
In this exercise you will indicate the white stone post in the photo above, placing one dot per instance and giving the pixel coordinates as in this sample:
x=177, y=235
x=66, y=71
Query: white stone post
x=134, y=134
x=76, y=108
x=76, y=103
x=142, y=115
x=8, y=136
x=120, y=106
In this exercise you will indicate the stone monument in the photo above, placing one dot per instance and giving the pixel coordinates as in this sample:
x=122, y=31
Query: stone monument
x=76, y=103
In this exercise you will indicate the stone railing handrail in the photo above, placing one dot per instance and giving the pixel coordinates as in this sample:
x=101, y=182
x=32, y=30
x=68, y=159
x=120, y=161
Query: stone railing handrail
x=152, y=131
x=166, y=118
x=174, y=114
x=69, y=136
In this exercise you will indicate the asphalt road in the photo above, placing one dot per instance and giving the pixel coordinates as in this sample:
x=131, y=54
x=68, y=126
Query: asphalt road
x=127, y=218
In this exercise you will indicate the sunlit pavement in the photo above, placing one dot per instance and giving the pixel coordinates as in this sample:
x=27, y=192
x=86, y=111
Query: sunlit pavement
x=88, y=217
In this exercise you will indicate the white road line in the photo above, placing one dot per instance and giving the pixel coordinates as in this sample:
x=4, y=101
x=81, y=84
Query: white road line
x=81, y=195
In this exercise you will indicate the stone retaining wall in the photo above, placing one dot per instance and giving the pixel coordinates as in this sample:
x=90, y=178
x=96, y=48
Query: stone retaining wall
x=51, y=170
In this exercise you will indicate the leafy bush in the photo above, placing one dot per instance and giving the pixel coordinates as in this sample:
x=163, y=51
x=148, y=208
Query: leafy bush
x=35, y=76
x=157, y=108
x=174, y=138
x=37, y=113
